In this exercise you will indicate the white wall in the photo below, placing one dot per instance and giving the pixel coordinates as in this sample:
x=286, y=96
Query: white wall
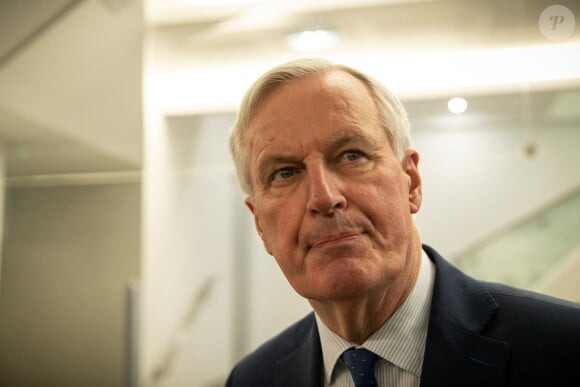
x=479, y=180
x=187, y=251
x=69, y=252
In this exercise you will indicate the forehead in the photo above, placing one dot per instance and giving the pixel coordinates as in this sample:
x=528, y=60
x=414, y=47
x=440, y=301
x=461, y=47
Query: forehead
x=330, y=95
x=321, y=113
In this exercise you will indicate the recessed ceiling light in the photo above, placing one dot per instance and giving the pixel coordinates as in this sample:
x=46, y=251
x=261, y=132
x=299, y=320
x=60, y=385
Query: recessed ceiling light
x=212, y=3
x=312, y=40
x=457, y=105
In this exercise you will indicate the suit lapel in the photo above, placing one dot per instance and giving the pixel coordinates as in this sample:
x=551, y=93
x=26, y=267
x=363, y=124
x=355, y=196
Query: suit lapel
x=456, y=353
x=303, y=366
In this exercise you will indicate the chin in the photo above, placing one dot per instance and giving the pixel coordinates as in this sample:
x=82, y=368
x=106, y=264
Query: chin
x=348, y=285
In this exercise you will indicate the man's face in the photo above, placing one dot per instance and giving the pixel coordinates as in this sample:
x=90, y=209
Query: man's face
x=331, y=201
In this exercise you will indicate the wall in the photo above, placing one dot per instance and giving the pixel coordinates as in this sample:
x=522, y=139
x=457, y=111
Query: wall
x=188, y=250
x=478, y=177
x=69, y=252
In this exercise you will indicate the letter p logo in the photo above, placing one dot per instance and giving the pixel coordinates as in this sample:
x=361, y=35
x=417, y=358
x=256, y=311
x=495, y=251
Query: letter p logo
x=557, y=22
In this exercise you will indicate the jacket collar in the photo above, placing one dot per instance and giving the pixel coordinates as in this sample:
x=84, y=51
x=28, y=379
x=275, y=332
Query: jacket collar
x=456, y=352
x=303, y=366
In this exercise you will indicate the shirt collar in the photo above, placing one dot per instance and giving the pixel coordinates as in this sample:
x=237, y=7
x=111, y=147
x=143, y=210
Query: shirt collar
x=401, y=339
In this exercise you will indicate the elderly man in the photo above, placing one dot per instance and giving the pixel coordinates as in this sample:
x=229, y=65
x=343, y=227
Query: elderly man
x=323, y=153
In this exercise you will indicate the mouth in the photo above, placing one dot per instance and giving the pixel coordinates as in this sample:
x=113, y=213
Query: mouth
x=335, y=239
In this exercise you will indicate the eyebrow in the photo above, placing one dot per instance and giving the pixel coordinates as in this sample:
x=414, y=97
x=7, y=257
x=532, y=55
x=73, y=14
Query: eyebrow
x=266, y=163
x=352, y=139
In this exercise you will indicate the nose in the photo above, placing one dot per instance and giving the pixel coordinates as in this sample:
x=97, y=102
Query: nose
x=325, y=193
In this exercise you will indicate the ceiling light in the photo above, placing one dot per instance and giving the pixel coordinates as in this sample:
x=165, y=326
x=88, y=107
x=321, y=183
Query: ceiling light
x=210, y=3
x=312, y=40
x=457, y=105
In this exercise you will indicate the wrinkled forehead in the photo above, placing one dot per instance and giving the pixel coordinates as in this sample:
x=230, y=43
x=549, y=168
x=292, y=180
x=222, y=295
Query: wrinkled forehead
x=333, y=82
x=319, y=109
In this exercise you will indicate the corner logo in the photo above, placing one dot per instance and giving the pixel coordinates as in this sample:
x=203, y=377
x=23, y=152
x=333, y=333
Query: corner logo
x=557, y=22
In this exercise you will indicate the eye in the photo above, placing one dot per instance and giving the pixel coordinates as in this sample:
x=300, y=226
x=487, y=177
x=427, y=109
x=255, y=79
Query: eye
x=352, y=155
x=282, y=174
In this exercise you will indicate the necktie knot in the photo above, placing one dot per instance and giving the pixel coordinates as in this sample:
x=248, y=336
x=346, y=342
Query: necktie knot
x=360, y=363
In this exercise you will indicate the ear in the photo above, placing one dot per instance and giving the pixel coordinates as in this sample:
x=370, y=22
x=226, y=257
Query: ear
x=259, y=229
x=411, y=168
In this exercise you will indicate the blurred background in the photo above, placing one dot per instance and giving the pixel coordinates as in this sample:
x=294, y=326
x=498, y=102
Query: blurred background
x=128, y=258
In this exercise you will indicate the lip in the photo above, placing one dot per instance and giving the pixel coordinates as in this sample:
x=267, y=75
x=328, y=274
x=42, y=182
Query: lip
x=335, y=238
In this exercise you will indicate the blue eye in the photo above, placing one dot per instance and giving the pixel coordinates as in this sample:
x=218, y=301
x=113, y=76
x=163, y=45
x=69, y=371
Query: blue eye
x=283, y=174
x=352, y=155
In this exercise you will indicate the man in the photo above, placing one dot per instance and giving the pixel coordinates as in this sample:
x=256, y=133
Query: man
x=323, y=154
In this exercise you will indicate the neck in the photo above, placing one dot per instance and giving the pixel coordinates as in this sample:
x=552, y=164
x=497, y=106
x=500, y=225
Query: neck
x=358, y=318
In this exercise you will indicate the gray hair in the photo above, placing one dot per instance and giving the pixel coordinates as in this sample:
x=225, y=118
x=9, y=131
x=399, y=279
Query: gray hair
x=392, y=114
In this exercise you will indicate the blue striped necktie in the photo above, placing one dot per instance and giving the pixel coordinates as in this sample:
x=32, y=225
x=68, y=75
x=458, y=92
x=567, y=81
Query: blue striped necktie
x=360, y=362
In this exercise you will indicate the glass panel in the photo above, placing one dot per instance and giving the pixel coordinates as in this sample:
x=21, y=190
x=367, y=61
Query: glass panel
x=519, y=256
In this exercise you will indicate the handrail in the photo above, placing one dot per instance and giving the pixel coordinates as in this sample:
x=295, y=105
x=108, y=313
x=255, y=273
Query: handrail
x=520, y=253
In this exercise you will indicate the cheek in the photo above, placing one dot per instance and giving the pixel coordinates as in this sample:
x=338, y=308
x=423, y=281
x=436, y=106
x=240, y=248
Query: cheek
x=280, y=225
x=388, y=211
x=273, y=221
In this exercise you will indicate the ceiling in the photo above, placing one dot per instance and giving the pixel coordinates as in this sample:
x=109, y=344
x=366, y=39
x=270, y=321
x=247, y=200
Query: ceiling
x=254, y=26
x=445, y=23
x=71, y=71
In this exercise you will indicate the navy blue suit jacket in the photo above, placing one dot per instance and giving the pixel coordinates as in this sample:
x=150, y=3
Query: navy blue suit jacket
x=480, y=334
